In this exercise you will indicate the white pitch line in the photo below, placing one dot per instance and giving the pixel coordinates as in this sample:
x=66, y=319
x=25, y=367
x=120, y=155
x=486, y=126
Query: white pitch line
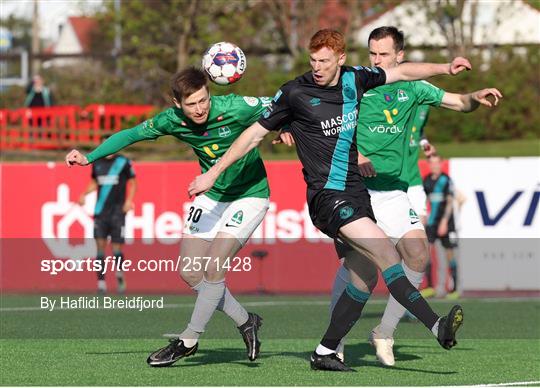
x=508, y=384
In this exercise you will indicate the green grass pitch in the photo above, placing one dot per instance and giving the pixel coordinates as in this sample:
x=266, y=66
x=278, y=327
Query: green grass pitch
x=499, y=343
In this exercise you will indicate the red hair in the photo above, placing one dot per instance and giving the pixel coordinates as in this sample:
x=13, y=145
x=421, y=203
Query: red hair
x=332, y=39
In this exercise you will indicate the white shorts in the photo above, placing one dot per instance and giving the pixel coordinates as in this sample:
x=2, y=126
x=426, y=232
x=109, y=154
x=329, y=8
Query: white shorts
x=417, y=198
x=207, y=217
x=394, y=213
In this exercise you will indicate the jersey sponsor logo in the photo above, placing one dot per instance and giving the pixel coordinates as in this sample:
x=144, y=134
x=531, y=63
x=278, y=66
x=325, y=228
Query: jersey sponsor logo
x=346, y=212
x=387, y=97
x=107, y=180
x=209, y=150
x=402, y=96
x=224, y=131
x=340, y=124
x=385, y=129
x=315, y=101
x=278, y=95
x=388, y=114
x=251, y=101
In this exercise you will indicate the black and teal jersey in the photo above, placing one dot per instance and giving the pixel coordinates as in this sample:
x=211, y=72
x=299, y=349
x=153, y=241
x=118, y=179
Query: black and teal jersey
x=322, y=121
x=437, y=190
x=111, y=176
x=229, y=116
x=417, y=133
x=384, y=129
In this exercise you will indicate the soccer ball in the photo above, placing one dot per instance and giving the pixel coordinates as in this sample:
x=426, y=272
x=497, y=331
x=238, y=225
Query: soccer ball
x=224, y=62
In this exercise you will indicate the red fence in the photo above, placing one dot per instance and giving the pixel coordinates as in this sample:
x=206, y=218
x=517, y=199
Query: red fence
x=62, y=127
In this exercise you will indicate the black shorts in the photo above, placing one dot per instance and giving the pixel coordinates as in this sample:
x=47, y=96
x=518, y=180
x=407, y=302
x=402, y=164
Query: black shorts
x=331, y=209
x=112, y=225
x=448, y=241
x=342, y=248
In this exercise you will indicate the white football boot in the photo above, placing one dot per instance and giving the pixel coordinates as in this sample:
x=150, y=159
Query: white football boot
x=383, y=347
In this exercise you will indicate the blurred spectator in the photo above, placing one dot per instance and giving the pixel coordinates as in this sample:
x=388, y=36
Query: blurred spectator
x=114, y=179
x=441, y=226
x=37, y=94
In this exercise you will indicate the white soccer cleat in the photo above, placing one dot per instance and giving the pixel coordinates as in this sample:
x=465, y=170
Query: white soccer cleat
x=340, y=351
x=383, y=348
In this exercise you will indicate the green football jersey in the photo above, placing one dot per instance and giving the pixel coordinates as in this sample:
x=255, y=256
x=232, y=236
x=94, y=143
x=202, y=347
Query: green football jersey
x=417, y=133
x=384, y=129
x=229, y=116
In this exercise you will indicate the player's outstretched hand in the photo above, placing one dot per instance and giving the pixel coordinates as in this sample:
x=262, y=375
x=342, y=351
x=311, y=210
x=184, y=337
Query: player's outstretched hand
x=429, y=149
x=201, y=184
x=366, y=167
x=284, y=138
x=459, y=64
x=74, y=157
x=481, y=96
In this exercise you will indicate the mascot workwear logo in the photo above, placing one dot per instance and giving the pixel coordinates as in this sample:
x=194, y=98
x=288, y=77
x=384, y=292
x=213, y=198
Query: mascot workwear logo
x=340, y=124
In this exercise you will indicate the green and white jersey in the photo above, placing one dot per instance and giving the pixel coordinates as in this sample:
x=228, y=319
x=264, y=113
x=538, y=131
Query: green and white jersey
x=384, y=129
x=229, y=116
x=417, y=133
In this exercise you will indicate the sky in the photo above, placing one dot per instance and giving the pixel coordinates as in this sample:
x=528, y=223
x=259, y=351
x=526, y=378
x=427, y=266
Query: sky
x=52, y=13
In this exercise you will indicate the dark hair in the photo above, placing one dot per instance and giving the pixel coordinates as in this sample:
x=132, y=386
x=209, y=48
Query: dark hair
x=186, y=82
x=331, y=39
x=391, y=31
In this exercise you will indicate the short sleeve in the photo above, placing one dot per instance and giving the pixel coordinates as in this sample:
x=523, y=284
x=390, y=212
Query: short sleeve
x=129, y=169
x=427, y=93
x=370, y=77
x=249, y=109
x=449, y=189
x=278, y=113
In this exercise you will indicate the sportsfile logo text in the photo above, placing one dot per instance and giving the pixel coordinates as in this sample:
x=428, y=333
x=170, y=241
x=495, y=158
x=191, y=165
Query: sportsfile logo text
x=112, y=264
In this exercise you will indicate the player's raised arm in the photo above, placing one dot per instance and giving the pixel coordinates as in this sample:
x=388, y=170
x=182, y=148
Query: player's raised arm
x=416, y=71
x=471, y=101
x=248, y=140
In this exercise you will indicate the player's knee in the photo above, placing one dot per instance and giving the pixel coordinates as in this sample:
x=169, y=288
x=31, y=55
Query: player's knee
x=371, y=282
x=417, y=255
x=192, y=278
x=388, y=255
x=214, y=272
